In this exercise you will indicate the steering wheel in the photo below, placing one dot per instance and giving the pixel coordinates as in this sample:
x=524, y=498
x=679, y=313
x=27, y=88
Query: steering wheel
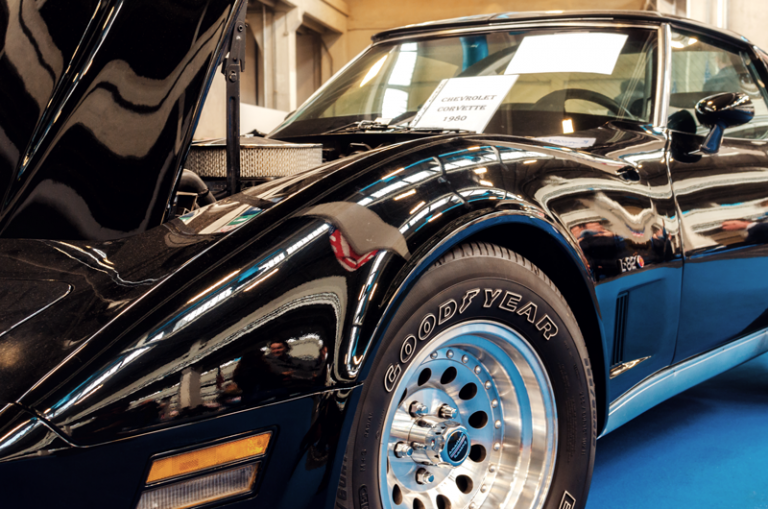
x=553, y=101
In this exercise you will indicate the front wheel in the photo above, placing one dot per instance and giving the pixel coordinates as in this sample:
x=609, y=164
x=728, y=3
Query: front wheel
x=480, y=396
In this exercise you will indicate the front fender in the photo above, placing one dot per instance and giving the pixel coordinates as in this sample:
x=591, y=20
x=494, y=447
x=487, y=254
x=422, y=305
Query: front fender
x=292, y=300
x=298, y=283
x=295, y=282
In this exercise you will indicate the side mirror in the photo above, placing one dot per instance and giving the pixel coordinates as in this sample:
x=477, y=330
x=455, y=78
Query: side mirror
x=719, y=112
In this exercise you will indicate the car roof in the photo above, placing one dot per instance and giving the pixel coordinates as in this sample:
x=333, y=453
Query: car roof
x=491, y=20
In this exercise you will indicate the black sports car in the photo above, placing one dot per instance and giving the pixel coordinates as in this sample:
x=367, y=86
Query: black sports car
x=525, y=231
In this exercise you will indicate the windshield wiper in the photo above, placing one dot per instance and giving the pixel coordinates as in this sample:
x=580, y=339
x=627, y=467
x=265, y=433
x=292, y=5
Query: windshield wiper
x=366, y=126
x=363, y=126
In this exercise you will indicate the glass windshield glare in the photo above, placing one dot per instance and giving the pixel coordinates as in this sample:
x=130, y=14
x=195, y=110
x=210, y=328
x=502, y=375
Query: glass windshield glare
x=565, y=81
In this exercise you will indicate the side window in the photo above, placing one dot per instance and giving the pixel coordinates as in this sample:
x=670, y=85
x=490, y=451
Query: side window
x=701, y=69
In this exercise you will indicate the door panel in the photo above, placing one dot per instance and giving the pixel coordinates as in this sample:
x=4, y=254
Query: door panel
x=723, y=198
x=724, y=203
x=626, y=225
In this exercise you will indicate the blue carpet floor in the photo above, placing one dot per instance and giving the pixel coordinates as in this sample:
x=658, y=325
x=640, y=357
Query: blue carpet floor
x=705, y=448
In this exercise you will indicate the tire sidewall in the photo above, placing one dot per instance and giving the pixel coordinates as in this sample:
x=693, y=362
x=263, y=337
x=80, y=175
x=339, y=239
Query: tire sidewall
x=496, y=290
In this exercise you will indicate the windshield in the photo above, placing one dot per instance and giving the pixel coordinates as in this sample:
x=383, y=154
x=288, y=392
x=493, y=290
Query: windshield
x=542, y=81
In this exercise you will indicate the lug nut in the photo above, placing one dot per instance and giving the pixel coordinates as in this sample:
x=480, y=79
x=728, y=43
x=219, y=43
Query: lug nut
x=449, y=354
x=418, y=409
x=447, y=412
x=402, y=450
x=424, y=476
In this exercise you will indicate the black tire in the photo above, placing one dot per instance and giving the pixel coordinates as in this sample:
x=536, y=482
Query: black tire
x=563, y=355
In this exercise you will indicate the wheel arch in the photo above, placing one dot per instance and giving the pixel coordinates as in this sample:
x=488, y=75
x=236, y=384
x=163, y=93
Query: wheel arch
x=543, y=243
x=550, y=252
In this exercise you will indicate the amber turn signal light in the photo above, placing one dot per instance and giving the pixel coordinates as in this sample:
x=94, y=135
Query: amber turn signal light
x=208, y=457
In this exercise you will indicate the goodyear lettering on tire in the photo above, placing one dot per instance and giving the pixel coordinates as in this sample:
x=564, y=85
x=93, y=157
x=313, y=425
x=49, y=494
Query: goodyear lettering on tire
x=509, y=302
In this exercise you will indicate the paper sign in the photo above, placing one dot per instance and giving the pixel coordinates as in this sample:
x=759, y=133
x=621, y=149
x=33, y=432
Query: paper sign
x=464, y=103
x=570, y=52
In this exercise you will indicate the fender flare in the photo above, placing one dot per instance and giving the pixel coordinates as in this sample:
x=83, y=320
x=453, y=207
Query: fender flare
x=453, y=234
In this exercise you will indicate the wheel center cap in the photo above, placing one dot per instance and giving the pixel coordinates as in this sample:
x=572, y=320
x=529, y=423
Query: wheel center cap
x=456, y=448
x=439, y=443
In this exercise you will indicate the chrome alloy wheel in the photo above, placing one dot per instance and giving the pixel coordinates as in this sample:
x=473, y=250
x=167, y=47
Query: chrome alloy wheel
x=472, y=424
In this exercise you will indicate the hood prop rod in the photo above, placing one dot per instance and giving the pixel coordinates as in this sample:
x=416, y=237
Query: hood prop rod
x=233, y=65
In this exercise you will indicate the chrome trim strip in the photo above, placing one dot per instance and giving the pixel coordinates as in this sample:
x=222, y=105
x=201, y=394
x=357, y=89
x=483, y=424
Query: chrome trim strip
x=675, y=379
x=664, y=78
x=57, y=299
x=626, y=366
x=507, y=26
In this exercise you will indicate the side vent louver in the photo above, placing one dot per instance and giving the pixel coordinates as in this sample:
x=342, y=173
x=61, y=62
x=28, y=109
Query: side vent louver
x=622, y=306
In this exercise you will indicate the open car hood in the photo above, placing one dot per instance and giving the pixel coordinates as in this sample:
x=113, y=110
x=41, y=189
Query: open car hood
x=98, y=105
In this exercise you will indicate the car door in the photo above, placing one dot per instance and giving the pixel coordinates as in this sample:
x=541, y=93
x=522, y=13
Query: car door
x=628, y=229
x=722, y=197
